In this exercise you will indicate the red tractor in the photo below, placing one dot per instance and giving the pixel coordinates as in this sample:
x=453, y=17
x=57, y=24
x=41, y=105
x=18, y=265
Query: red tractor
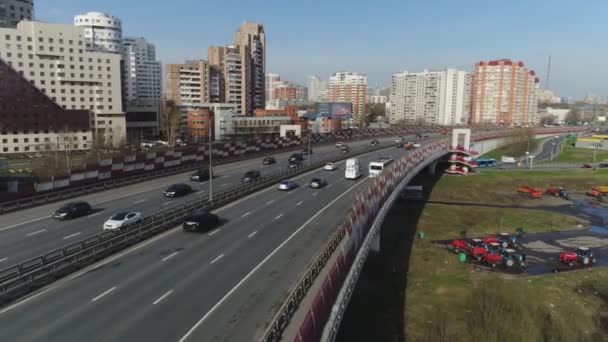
x=582, y=256
x=557, y=192
x=460, y=245
x=530, y=192
x=477, y=249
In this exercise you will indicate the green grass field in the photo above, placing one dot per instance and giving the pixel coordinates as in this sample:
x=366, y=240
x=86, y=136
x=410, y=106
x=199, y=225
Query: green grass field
x=449, y=301
x=511, y=151
x=580, y=155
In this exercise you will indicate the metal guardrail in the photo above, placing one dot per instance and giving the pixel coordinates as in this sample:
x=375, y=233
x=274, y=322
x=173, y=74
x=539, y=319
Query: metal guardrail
x=18, y=279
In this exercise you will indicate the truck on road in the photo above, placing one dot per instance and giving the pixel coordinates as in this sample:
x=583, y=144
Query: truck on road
x=352, y=169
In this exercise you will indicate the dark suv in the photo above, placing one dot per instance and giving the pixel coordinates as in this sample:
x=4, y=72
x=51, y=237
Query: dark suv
x=201, y=221
x=269, y=160
x=72, y=210
x=177, y=190
x=296, y=157
x=200, y=175
x=251, y=175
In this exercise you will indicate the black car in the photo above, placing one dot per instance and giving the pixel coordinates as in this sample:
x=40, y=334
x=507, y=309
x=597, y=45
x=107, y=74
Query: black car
x=269, y=160
x=72, y=210
x=344, y=149
x=602, y=165
x=177, y=190
x=200, y=175
x=317, y=183
x=296, y=157
x=295, y=164
x=251, y=175
x=374, y=143
x=399, y=145
x=201, y=221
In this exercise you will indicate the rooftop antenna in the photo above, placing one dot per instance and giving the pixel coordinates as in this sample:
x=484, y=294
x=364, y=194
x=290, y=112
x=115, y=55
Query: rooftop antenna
x=548, y=74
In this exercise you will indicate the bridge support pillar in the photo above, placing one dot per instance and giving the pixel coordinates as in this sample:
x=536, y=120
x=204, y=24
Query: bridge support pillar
x=431, y=168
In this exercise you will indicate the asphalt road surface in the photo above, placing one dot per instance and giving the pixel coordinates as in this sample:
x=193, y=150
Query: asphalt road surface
x=223, y=285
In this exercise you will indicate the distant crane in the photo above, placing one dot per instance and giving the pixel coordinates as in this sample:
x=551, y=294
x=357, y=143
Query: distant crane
x=548, y=74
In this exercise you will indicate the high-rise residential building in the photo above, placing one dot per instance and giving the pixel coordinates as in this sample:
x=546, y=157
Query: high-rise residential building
x=430, y=97
x=317, y=89
x=289, y=91
x=102, y=32
x=188, y=83
x=504, y=92
x=142, y=93
x=272, y=82
x=54, y=59
x=378, y=99
x=350, y=87
x=13, y=11
x=238, y=72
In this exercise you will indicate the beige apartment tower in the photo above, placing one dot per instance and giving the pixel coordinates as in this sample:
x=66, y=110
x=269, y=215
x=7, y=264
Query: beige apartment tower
x=188, y=82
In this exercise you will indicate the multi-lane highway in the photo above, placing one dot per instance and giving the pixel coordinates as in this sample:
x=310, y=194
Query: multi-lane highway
x=218, y=286
x=29, y=233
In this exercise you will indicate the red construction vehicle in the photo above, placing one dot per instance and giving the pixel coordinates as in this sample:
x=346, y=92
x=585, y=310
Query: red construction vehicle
x=598, y=191
x=557, y=192
x=582, y=256
x=530, y=192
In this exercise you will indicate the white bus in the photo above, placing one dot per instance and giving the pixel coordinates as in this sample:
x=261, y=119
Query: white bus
x=377, y=166
x=353, y=171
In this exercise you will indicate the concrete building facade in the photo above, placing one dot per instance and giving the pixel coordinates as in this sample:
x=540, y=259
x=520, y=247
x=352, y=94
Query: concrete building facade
x=350, y=87
x=273, y=81
x=430, y=97
x=504, y=92
x=102, y=31
x=13, y=11
x=188, y=82
x=142, y=88
x=54, y=59
x=317, y=89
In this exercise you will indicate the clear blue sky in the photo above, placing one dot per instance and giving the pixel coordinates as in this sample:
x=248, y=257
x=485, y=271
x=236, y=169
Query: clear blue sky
x=376, y=37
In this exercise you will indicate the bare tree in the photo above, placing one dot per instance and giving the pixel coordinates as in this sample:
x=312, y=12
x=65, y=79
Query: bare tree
x=170, y=121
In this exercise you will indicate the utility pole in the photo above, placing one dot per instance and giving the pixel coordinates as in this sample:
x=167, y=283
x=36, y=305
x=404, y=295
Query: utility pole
x=308, y=126
x=210, y=158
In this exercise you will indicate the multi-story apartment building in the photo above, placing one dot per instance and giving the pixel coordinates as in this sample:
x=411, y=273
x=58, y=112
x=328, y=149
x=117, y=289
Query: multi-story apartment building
x=54, y=59
x=350, y=87
x=188, y=82
x=102, y=32
x=289, y=91
x=31, y=122
x=504, y=92
x=13, y=11
x=430, y=97
x=317, y=89
x=141, y=88
x=272, y=82
x=238, y=71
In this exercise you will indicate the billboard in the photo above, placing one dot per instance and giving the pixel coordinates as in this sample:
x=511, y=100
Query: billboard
x=341, y=108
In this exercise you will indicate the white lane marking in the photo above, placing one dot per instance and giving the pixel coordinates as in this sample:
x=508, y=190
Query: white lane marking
x=170, y=256
x=270, y=202
x=26, y=222
x=299, y=203
x=200, y=192
x=167, y=203
x=246, y=214
x=217, y=259
x=93, y=215
x=140, y=201
x=71, y=236
x=162, y=297
x=225, y=184
x=214, y=232
x=103, y=294
x=3, y=259
x=278, y=217
x=329, y=186
x=315, y=194
x=262, y=263
x=36, y=232
x=249, y=236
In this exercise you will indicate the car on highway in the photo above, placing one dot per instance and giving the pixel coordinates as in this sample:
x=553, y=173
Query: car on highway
x=399, y=140
x=72, y=210
x=344, y=149
x=603, y=165
x=586, y=166
x=295, y=164
x=287, y=185
x=296, y=157
x=201, y=221
x=339, y=144
x=269, y=160
x=400, y=145
x=374, y=143
x=118, y=221
x=317, y=183
x=251, y=176
x=416, y=145
x=200, y=175
x=177, y=190
x=331, y=166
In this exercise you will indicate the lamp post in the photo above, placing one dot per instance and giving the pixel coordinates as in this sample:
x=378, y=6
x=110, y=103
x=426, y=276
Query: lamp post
x=553, y=144
x=210, y=159
x=527, y=158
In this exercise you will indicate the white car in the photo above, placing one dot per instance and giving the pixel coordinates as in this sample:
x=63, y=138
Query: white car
x=339, y=144
x=399, y=140
x=120, y=220
x=331, y=167
x=416, y=145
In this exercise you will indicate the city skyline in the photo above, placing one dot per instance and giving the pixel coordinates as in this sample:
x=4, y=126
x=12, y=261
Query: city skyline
x=467, y=34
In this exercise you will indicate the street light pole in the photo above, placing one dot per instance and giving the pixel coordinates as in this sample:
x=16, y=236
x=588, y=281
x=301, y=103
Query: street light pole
x=308, y=126
x=210, y=159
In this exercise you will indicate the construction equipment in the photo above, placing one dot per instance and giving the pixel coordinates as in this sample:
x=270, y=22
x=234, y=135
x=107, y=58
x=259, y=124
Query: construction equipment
x=530, y=192
x=557, y=192
x=598, y=191
x=582, y=256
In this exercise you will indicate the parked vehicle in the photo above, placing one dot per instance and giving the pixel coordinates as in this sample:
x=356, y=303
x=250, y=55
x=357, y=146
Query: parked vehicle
x=200, y=175
x=512, y=258
x=177, y=190
x=118, y=221
x=582, y=256
x=269, y=160
x=200, y=221
x=72, y=210
x=598, y=191
x=530, y=192
x=586, y=166
x=557, y=192
x=603, y=165
x=477, y=250
x=331, y=167
x=287, y=185
x=251, y=176
x=317, y=183
x=353, y=169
